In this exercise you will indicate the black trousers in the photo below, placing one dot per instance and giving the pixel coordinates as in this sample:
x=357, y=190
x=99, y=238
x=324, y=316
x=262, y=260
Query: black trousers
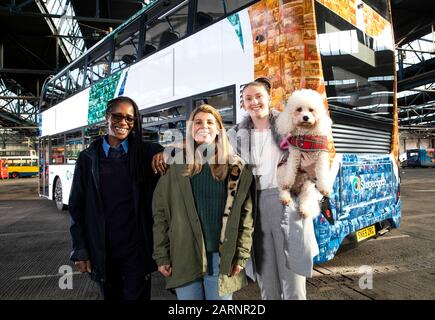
x=126, y=278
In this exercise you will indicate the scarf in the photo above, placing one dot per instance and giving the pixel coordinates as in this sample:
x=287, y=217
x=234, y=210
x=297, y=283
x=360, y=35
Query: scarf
x=305, y=143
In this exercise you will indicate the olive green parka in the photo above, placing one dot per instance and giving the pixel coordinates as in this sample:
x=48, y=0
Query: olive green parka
x=178, y=238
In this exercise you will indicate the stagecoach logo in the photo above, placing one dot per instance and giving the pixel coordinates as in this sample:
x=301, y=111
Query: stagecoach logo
x=69, y=175
x=358, y=185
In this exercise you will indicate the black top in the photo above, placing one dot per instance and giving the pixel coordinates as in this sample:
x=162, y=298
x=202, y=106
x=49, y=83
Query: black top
x=122, y=234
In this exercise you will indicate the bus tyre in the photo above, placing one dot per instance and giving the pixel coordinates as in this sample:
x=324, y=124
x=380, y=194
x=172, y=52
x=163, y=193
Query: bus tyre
x=58, y=195
x=15, y=175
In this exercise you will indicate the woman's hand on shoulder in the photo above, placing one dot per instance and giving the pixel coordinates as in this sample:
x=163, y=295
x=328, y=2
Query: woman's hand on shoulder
x=158, y=164
x=165, y=269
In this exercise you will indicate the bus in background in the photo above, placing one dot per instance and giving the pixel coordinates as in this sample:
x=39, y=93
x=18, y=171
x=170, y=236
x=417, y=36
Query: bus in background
x=420, y=158
x=21, y=167
x=4, y=172
x=20, y=163
x=174, y=55
x=17, y=153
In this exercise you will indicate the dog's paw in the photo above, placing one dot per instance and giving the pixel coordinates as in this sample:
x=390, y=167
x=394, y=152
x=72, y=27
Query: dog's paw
x=325, y=193
x=285, y=198
x=305, y=212
x=324, y=190
x=286, y=202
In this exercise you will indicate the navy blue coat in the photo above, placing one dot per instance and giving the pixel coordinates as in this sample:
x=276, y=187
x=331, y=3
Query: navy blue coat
x=87, y=213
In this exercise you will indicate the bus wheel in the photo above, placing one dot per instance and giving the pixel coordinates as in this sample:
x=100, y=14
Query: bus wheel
x=58, y=196
x=15, y=175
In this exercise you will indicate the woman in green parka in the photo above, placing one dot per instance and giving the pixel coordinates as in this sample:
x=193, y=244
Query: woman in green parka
x=203, y=219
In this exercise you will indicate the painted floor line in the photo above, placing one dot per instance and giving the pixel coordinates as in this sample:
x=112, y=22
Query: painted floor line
x=42, y=276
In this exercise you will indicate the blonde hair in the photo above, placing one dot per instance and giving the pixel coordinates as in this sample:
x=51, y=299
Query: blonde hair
x=219, y=168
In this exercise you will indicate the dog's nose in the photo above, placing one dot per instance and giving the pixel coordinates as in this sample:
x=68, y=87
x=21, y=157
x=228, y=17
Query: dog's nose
x=306, y=118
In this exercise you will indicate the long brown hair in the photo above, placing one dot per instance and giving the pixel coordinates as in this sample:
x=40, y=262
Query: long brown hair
x=219, y=168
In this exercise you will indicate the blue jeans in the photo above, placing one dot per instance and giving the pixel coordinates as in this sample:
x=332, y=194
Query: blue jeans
x=205, y=287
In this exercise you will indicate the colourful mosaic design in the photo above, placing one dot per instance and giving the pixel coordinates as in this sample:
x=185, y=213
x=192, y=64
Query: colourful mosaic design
x=368, y=195
x=234, y=19
x=100, y=93
x=288, y=56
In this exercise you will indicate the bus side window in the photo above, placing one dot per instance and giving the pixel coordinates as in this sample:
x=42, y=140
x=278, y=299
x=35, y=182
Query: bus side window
x=126, y=45
x=202, y=19
x=167, y=29
x=74, y=145
x=149, y=48
x=167, y=37
x=235, y=5
x=57, y=150
x=208, y=10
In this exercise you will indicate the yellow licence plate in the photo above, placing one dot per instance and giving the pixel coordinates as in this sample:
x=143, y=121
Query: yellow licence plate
x=365, y=233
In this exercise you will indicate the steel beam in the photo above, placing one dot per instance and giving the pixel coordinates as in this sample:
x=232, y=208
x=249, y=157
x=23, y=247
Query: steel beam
x=5, y=11
x=10, y=117
x=416, y=80
x=26, y=71
x=19, y=98
x=413, y=50
x=24, y=127
x=1, y=55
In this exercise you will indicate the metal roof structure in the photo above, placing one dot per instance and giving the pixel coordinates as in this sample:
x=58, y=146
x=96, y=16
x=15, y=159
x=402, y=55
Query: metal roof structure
x=34, y=44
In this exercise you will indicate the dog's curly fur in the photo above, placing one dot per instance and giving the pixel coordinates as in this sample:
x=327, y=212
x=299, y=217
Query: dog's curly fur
x=304, y=114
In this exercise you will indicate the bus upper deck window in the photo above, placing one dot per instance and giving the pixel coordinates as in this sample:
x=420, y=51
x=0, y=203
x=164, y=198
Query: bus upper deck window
x=167, y=37
x=208, y=10
x=149, y=48
x=202, y=19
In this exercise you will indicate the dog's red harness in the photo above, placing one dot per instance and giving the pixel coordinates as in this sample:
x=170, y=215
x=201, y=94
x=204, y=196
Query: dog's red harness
x=305, y=143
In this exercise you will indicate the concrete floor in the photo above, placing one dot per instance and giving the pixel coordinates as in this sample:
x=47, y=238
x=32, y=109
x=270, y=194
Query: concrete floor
x=35, y=243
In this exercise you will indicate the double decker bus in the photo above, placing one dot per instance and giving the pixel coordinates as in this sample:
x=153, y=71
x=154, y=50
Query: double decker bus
x=19, y=163
x=174, y=55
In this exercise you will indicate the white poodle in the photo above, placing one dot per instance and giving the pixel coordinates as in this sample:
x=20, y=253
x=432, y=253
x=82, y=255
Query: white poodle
x=302, y=129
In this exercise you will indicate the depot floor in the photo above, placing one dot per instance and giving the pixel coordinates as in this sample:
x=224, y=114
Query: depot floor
x=35, y=244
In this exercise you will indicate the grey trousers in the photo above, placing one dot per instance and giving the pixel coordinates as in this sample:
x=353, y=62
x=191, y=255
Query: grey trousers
x=274, y=278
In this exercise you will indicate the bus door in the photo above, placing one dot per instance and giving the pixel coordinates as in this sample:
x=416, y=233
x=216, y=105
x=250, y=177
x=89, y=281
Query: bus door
x=43, y=167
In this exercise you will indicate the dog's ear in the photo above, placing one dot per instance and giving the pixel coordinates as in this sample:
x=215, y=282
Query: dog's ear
x=284, y=122
x=324, y=123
